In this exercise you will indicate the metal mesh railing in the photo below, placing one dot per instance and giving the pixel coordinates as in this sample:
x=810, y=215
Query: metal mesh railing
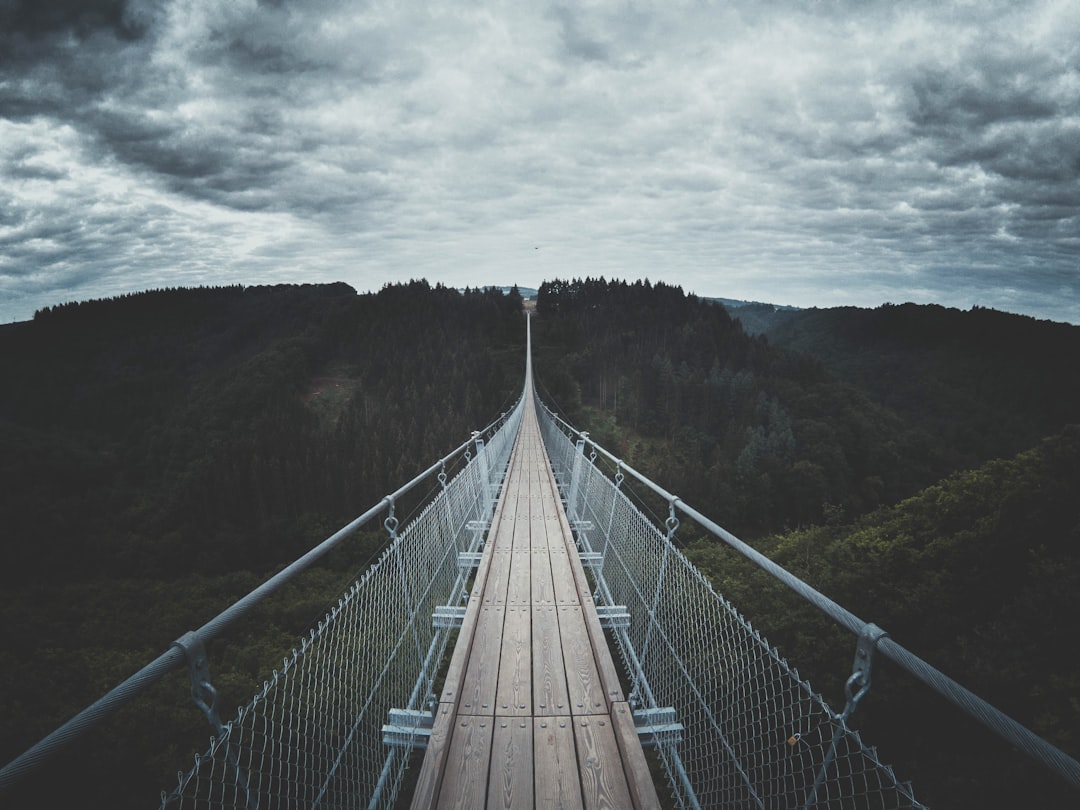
x=734, y=724
x=312, y=736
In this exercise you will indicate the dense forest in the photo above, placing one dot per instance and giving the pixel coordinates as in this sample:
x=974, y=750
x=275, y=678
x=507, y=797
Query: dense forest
x=162, y=453
x=914, y=463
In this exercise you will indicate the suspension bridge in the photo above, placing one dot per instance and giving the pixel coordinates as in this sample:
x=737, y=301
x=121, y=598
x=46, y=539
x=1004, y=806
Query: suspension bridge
x=532, y=639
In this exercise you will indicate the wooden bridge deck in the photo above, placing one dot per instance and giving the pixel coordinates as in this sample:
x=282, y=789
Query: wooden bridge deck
x=532, y=713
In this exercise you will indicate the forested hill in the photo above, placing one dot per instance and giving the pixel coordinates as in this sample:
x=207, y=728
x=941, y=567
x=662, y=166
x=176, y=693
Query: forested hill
x=161, y=453
x=878, y=405
x=978, y=575
x=874, y=454
x=986, y=382
x=195, y=430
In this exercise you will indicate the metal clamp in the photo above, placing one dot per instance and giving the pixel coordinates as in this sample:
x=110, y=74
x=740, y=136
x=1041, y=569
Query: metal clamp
x=672, y=522
x=202, y=691
x=391, y=522
x=206, y=698
x=869, y=637
x=858, y=684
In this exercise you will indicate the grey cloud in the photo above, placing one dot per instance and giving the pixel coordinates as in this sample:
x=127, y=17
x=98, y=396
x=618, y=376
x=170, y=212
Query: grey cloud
x=948, y=99
x=36, y=20
x=576, y=43
x=796, y=147
x=1047, y=152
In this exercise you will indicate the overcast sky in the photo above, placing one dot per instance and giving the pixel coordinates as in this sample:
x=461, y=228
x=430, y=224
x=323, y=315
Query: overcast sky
x=808, y=153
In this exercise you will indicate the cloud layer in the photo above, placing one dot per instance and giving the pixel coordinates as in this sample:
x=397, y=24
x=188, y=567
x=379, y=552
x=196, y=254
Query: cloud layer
x=813, y=153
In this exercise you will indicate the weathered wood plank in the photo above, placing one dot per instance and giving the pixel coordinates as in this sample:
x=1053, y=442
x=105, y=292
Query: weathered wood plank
x=514, y=693
x=535, y=648
x=519, y=584
x=465, y=778
x=510, y=781
x=603, y=782
x=582, y=677
x=459, y=660
x=542, y=587
x=431, y=771
x=498, y=577
x=638, y=777
x=550, y=696
x=482, y=676
x=609, y=675
x=566, y=588
x=522, y=524
x=555, y=765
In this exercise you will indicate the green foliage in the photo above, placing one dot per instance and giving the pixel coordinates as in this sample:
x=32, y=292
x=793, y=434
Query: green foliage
x=977, y=575
x=161, y=454
x=763, y=439
x=983, y=383
x=857, y=448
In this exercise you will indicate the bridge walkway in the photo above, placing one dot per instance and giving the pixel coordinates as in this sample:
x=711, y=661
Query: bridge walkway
x=532, y=713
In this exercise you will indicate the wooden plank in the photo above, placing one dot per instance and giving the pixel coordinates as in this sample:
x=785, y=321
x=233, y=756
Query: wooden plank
x=582, y=678
x=510, y=781
x=635, y=766
x=498, y=577
x=520, y=580
x=522, y=525
x=543, y=589
x=546, y=661
x=465, y=778
x=603, y=783
x=609, y=675
x=477, y=694
x=566, y=589
x=459, y=660
x=429, y=781
x=550, y=696
x=555, y=765
x=514, y=693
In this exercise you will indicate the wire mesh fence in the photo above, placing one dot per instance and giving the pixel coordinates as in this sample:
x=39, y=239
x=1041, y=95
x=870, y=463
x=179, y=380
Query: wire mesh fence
x=734, y=725
x=312, y=736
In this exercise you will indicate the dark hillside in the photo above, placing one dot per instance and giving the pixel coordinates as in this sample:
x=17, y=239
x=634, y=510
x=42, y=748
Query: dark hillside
x=161, y=453
x=978, y=575
x=986, y=383
x=881, y=434
x=763, y=438
x=835, y=413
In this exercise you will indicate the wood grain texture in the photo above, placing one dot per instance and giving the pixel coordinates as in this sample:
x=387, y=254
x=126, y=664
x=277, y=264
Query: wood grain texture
x=522, y=523
x=582, y=677
x=555, y=765
x=477, y=694
x=566, y=588
x=459, y=659
x=635, y=767
x=514, y=693
x=429, y=781
x=603, y=782
x=550, y=696
x=542, y=588
x=520, y=581
x=510, y=782
x=465, y=778
x=609, y=675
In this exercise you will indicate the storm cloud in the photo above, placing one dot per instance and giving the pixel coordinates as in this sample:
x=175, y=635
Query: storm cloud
x=808, y=153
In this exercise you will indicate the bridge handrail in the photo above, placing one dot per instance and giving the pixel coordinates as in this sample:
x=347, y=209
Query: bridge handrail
x=967, y=701
x=175, y=657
